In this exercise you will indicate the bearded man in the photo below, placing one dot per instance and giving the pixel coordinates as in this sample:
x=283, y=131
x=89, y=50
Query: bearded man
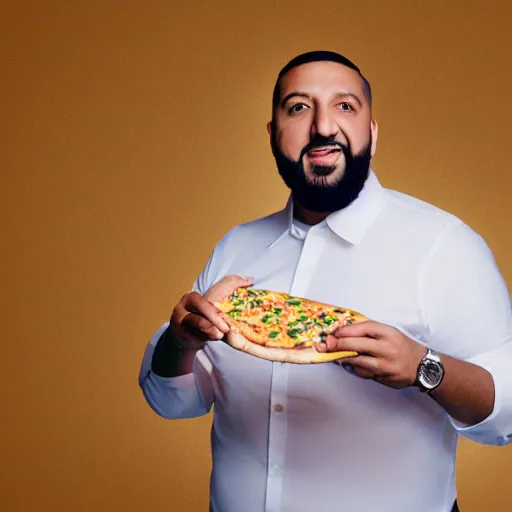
x=379, y=431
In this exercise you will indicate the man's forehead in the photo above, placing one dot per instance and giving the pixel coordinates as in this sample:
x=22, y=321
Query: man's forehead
x=321, y=75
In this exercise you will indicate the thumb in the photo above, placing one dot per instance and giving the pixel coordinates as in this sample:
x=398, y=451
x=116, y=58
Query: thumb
x=226, y=286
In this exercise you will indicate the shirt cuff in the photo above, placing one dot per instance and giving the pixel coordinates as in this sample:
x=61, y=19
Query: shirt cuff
x=496, y=429
x=174, y=397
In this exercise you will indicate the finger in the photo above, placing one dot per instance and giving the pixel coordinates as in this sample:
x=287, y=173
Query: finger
x=180, y=316
x=365, y=365
x=226, y=286
x=363, y=373
x=368, y=328
x=201, y=326
x=359, y=345
x=196, y=303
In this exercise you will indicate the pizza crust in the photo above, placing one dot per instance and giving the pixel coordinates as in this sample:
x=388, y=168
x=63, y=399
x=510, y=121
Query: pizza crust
x=307, y=355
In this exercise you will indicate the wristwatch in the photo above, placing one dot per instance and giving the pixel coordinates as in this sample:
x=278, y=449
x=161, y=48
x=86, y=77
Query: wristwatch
x=430, y=372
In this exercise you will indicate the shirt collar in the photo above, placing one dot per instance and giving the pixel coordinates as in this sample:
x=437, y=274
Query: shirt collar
x=350, y=223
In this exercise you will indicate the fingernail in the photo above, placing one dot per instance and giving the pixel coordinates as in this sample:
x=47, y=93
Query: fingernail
x=218, y=334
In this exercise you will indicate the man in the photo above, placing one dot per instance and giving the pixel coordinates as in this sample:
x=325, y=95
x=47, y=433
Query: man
x=379, y=431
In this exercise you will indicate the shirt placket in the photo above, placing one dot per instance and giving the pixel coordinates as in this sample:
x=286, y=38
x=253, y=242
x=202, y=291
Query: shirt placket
x=312, y=247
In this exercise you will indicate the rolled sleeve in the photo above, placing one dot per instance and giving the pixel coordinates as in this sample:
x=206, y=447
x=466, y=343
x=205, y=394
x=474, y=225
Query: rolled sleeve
x=185, y=396
x=468, y=316
x=496, y=429
x=174, y=397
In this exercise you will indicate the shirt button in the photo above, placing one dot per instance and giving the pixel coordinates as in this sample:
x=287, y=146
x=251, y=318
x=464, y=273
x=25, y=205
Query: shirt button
x=278, y=408
x=275, y=469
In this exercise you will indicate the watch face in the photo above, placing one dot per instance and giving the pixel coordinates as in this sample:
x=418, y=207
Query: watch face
x=430, y=374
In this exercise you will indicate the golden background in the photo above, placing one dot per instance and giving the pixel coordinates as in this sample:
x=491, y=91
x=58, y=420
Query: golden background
x=133, y=138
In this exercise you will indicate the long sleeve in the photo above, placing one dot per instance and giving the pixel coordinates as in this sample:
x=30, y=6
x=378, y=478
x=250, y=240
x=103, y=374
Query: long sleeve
x=186, y=396
x=467, y=308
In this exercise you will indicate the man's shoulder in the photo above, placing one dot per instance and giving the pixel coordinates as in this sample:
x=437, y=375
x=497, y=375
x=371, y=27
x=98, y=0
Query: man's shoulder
x=430, y=226
x=261, y=230
x=419, y=212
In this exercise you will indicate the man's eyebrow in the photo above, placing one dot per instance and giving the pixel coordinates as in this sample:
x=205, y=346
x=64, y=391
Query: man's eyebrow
x=339, y=95
x=292, y=94
x=355, y=97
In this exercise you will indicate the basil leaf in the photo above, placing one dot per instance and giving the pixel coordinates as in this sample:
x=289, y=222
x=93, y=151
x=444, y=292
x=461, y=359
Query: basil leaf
x=273, y=334
x=294, y=302
x=266, y=319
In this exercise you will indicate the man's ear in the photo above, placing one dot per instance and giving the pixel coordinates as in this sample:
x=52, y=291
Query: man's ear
x=269, y=128
x=374, y=130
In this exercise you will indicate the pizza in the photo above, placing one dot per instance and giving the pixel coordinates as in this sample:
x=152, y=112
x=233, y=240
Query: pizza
x=280, y=327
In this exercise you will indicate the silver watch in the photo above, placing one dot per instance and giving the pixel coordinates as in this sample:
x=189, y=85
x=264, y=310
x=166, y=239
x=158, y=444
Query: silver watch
x=430, y=372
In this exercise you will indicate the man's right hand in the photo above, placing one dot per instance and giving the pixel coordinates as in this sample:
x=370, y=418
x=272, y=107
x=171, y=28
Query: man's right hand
x=195, y=320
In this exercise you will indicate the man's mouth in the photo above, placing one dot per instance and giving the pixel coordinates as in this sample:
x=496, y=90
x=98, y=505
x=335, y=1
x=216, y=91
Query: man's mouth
x=324, y=156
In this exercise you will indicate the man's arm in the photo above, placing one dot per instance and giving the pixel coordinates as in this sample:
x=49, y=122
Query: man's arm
x=465, y=308
x=466, y=392
x=467, y=311
x=173, y=384
x=391, y=358
x=176, y=374
x=188, y=395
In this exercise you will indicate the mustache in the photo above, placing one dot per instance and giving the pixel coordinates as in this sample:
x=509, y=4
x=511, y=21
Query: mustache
x=318, y=141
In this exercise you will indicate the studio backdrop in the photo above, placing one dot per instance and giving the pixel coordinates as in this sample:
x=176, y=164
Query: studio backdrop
x=133, y=138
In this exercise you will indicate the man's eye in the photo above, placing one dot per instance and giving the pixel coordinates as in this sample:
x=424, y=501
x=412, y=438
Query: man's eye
x=299, y=107
x=345, y=106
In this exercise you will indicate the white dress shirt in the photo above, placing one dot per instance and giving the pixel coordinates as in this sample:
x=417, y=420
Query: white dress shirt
x=302, y=438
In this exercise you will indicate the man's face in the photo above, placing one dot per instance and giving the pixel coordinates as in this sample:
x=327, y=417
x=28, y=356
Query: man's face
x=323, y=135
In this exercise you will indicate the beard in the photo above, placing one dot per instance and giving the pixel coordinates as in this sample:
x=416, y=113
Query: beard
x=322, y=196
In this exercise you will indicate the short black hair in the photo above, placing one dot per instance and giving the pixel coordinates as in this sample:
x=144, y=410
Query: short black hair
x=318, y=56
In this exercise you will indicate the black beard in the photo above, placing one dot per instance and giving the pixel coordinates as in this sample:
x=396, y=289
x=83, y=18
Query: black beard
x=323, y=197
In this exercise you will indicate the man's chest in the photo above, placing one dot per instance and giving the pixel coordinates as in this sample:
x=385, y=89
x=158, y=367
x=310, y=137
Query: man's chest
x=382, y=286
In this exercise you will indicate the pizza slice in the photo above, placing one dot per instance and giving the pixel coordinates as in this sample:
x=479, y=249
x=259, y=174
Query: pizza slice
x=277, y=326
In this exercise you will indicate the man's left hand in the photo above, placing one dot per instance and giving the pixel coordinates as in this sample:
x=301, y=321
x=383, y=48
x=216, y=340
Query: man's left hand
x=385, y=354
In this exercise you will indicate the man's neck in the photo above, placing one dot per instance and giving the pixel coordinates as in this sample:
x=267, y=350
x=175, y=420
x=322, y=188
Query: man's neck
x=307, y=216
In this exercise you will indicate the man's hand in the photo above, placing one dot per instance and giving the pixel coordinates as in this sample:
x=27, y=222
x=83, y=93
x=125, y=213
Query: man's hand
x=196, y=320
x=391, y=358
x=385, y=354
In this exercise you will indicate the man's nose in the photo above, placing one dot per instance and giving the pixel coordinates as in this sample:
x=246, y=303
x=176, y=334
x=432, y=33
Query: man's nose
x=324, y=124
